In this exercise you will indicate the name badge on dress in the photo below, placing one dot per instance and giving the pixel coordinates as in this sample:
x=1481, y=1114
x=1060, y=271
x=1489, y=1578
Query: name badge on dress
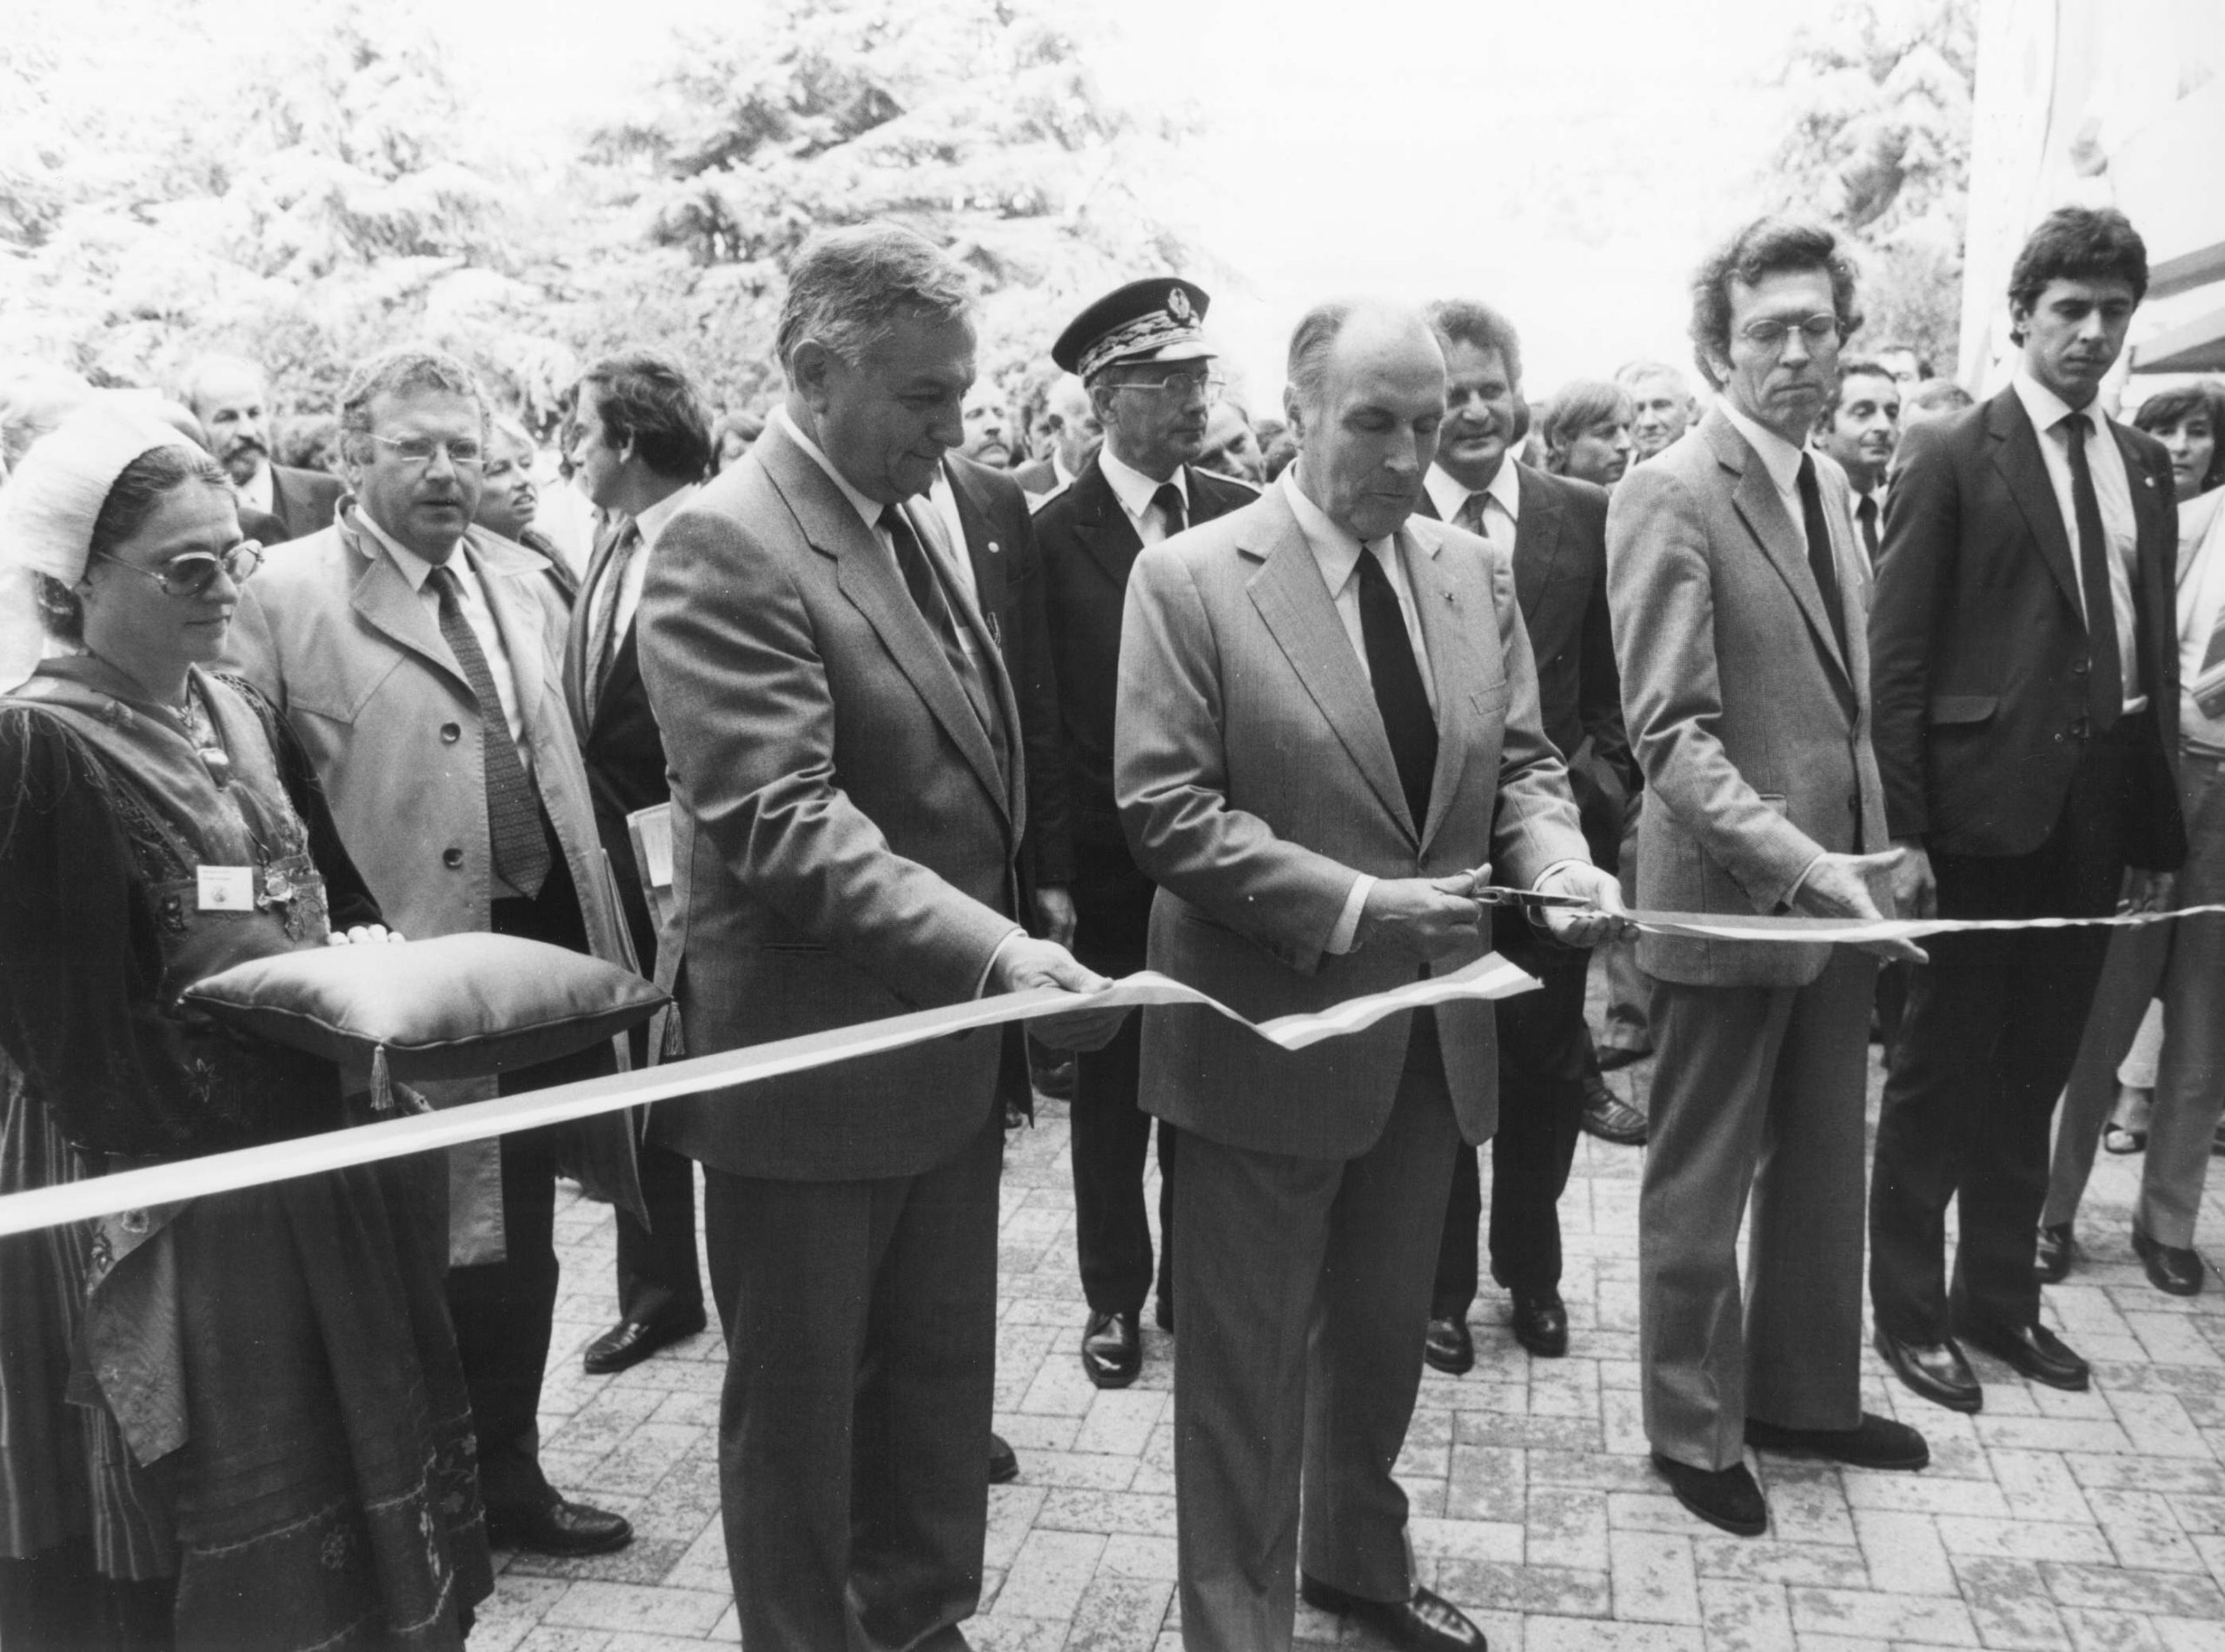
x=226, y=889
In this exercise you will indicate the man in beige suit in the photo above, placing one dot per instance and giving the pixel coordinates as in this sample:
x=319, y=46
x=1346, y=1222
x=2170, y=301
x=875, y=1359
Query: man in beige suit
x=1739, y=601
x=417, y=657
x=1327, y=725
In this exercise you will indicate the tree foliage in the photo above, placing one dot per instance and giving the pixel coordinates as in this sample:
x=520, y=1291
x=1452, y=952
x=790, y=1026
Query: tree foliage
x=1879, y=145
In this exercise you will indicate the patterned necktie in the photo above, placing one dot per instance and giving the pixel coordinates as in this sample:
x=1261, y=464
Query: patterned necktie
x=2105, y=677
x=602, y=638
x=522, y=858
x=1400, y=696
x=1865, y=512
x=1172, y=515
x=934, y=608
x=1470, y=515
x=1819, y=549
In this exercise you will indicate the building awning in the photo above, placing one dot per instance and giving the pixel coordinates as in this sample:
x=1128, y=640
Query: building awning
x=2197, y=346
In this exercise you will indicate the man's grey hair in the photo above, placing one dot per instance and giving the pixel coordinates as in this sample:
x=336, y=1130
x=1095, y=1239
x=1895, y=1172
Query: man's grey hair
x=1310, y=341
x=402, y=372
x=198, y=370
x=847, y=289
x=1631, y=375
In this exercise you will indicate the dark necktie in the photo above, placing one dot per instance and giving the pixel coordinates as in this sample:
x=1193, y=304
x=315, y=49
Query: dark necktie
x=1399, y=695
x=513, y=828
x=1865, y=512
x=934, y=608
x=602, y=640
x=1168, y=503
x=1470, y=516
x=2105, y=677
x=1819, y=549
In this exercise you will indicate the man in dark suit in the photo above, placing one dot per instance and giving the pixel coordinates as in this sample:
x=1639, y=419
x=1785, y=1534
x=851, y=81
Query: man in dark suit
x=1328, y=723
x=232, y=399
x=1738, y=598
x=1148, y=373
x=848, y=805
x=2027, y=666
x=1554, y=531
x=640, y=442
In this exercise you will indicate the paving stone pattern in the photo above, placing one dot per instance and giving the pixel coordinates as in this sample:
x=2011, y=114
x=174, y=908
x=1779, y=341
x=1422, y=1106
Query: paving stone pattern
x=2060, y=1522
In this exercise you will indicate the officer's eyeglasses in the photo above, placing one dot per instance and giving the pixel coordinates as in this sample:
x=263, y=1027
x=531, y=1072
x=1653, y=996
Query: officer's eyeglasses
x=1207, y=385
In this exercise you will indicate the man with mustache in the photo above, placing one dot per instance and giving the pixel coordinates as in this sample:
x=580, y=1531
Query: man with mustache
x=1140, y=360
x=1861, y=431
x=2027, y=662
x=231, y=397
x=1553, y=530
x=1738, y=599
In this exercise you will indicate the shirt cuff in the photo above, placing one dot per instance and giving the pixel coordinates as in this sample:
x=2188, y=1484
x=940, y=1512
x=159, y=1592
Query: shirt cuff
x=981, y=987
x=1792, y=895
x=1340, y=938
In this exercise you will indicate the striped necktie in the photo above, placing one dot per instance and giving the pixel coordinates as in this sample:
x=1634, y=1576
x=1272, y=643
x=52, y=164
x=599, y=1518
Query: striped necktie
x=513, y=828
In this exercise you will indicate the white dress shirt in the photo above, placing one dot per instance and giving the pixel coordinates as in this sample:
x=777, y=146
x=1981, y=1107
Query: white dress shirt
x=1779, y=457
x=1135, y=491
x=259, y=491
x=650, y=523
x=1502, y=500
x=2112, y=491
x=472, y=599
x=1337, y=554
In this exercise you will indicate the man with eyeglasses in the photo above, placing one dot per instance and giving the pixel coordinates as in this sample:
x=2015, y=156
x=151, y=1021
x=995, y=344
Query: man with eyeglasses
x=1739, y=593
x=2027, y=667
x=1141, y=354
x=417, y=658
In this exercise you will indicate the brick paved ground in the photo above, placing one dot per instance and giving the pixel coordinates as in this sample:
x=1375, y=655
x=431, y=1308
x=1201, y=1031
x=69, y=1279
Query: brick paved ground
x=2083, y=1522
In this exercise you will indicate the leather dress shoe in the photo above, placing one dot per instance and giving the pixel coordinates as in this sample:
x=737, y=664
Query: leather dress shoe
x=1935, y=1371
x=559, y=1527
x=1874, y=1443
x=1448, y=1347
x=1541, y=1323
x=1004, y=1461
x=1725, y=1497
x=1607, y=1116
x=1424, y=1622
x=1111, y=1350
x=1612, y=1057
x=2170, y=1268
x=2051, y=1259
x=631, y=1341
x=2035, y=1351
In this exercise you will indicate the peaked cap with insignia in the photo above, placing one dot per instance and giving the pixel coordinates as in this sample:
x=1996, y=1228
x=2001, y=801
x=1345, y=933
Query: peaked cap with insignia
x=1157, y=318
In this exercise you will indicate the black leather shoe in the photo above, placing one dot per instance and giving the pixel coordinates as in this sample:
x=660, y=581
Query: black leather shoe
x=1426, y=1621
x=2034, y=1349
x=1725, y=1497
x=1448, y=1347
x=1936, y=1371
x=2051, y=1260
x=631, y=1341
x=2170, y=1268
x=1111, y=1351
x=1004, y=1461
x=1874, y=1443
x=1541, y=1323
x=1607, y=1116
x=1612, y=1057
x=560, y=1528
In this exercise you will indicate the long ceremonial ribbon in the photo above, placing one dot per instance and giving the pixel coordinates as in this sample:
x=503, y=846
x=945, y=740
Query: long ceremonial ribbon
x=1489, y=977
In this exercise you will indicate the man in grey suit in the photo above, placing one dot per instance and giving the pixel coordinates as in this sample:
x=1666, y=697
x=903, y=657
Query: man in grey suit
x=1328, y=724
x=1739, y=597
x=849, y=807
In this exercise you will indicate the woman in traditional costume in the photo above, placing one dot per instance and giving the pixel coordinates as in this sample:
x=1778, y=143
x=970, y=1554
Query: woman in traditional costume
x=237, y=1421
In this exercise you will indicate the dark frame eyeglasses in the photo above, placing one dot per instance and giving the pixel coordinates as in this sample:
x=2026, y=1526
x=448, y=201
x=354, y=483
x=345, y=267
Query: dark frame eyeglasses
x=192, y=573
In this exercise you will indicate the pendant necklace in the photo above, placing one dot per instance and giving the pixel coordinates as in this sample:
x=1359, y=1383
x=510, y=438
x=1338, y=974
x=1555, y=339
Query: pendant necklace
x=206, y=744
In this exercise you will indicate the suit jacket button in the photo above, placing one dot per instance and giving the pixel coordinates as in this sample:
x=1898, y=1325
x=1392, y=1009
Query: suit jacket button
x=450, y=733
x=451, y=858
x=2081, y=666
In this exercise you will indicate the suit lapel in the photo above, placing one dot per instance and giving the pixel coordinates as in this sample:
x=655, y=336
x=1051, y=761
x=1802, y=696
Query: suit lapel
x=985, y=553
x=2155, y=556
x=865, y=572
x=580, y=632
x=525, y=638
x=2017, y=456
x=1294, y=601
x=1782, y=540
x=1453, y=666
x=1537, y=539
x=391, y=605
x=1103, y=528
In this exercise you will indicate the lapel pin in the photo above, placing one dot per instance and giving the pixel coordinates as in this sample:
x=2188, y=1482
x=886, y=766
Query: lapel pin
x=992, y=547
